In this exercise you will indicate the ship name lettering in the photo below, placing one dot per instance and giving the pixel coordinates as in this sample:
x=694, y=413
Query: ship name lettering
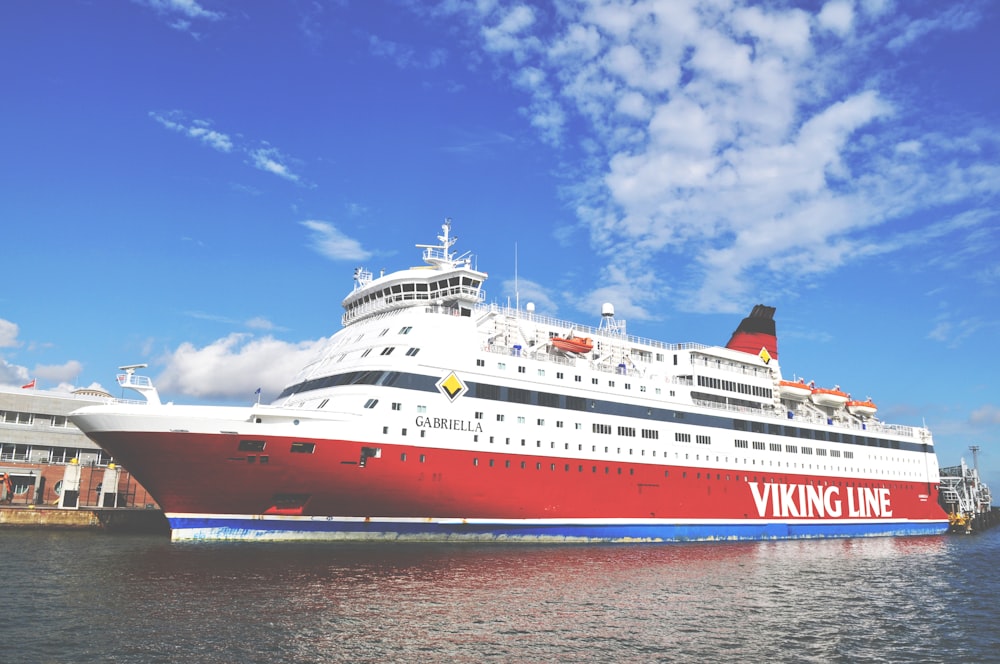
x=452, y=424
x=780, y=500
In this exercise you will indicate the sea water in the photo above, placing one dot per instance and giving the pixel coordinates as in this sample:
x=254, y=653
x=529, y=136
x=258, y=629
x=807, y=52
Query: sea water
x=91, y=597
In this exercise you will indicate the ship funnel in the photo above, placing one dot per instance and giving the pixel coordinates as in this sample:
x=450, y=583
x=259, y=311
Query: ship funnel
x=756, y=331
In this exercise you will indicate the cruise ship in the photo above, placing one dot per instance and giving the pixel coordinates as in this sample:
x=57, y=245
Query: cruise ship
x=433, y=414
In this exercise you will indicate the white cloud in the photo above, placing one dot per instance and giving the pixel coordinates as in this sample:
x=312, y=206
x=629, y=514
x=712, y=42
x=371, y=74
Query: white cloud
x=505, y=36
x=61, y=373
x=954, y=18
x=265, y=158
x=8, y=334
x=197, y=129
x=742, y=138
x=986, y=415
x=182, y=14
x=271, y=160
x=327, y=240
x=837, y=16
x=234, y=367
x=525, y=291
x=12, y=374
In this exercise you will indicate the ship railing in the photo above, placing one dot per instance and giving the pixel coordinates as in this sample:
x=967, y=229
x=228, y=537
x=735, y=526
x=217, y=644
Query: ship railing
x=410, y=298
x=135, y=402
x=585, y=330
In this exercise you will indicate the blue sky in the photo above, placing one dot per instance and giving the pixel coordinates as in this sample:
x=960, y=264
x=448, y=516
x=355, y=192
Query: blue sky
x=190, y=183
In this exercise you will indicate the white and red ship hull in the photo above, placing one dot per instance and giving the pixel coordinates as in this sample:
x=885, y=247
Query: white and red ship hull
x=210, y=489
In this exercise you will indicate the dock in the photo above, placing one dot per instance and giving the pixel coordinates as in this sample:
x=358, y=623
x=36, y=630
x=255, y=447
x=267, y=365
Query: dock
x=111, y=520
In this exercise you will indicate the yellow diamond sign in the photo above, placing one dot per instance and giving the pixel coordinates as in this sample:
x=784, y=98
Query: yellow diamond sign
x=764, y=355
x=452, y=386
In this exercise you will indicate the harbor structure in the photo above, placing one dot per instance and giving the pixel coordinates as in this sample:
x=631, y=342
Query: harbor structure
x=47, y=462
x=966, y=498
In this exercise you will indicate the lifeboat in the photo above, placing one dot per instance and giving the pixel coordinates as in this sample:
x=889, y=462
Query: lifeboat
x=831, y=398
x=573, y=344
x=794, y=390
x=865, y=408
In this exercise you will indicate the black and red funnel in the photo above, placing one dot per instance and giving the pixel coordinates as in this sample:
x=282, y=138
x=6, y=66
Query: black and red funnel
x=756, y=331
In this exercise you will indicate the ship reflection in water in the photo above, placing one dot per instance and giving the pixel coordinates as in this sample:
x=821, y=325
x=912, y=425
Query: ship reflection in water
x=827, y=600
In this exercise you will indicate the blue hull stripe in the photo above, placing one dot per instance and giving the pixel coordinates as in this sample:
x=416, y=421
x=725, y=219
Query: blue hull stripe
x=237, y=528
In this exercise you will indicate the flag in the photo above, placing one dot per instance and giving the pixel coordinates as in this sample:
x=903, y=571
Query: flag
x=29, y=386
x=258, y=391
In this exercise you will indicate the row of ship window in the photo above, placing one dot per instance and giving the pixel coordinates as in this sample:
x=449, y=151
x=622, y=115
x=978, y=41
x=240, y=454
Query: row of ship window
x=567, y=467
x=792, y=449
x=256, y=445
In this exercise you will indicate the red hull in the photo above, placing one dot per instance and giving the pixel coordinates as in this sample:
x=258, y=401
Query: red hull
x=207, y=474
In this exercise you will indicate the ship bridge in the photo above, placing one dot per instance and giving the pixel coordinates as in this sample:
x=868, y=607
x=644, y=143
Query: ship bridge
x=446, y=281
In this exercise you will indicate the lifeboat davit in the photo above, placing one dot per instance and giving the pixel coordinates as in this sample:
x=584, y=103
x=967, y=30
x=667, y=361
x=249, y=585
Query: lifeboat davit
x=794, y=390
x=574, y=344
x=831, y=398
x=865, y=408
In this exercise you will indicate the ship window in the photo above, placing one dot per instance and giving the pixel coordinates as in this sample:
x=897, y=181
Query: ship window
x=405, y=330
x=413, y=351
x=369, y=404
x=423, y=458
x=251, y=459
x=365, y=354
x=383, y=332
x=303, y=448
x=402, y=456
x=480, y=363
x=323, y=403
x=264, y=458
x=385, y=429
x=251, y=446
x=388, y=350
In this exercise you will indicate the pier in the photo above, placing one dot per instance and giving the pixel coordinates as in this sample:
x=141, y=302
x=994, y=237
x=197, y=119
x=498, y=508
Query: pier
x=111, y=520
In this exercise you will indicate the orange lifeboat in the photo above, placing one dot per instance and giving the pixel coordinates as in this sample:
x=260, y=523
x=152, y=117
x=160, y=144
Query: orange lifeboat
x=794, y=390
x=831, y=398
x=865, y=408
x=573, y=344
